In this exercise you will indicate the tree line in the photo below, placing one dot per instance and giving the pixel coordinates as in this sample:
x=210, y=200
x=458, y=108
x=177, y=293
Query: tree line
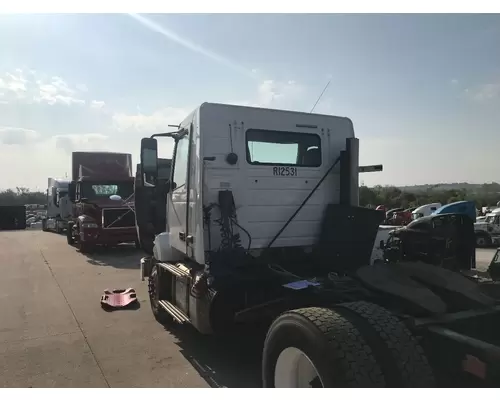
x=485, y=195
x=21, y=196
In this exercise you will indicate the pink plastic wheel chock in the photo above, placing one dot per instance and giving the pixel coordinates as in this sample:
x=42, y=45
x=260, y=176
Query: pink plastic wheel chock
x=118, y=298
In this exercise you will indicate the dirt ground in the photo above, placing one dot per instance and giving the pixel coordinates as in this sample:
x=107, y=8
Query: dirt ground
x=54, y=333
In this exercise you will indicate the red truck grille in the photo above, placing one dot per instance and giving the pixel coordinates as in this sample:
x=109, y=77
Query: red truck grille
x=118, y=218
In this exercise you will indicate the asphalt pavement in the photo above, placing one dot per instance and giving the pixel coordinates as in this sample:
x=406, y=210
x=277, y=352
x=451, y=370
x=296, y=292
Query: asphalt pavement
x=53, y=332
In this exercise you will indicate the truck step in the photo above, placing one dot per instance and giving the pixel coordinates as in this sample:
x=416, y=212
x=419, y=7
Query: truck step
x=175, y=312
x=175, y=270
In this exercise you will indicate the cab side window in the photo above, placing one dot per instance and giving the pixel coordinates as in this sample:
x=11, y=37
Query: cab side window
x=181, y=162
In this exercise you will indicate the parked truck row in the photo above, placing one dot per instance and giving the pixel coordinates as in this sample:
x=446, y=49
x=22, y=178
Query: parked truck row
x=59, y=207
x=95, y=207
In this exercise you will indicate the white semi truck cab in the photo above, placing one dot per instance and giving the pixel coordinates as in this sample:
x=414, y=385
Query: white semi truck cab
x=488, y=231
x=263, y=229
x=425, y=210
x=58, y=205
x=249, y=181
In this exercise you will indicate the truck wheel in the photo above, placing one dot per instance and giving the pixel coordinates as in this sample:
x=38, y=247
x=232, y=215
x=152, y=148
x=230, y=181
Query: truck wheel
x=317, y=347
x=400, y=354
x=69, y=235
x=44, y=225
x=483, y=240
x=84, y=248
x=159, y=313
x=354, y=345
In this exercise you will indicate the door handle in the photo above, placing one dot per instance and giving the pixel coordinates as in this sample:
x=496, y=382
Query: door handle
x=182, y=236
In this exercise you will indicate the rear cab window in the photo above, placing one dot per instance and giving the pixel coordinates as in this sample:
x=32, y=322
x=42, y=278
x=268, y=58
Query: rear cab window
x=278, y=148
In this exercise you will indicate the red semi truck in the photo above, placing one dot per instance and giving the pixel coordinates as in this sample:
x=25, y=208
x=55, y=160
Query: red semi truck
x=101, y=191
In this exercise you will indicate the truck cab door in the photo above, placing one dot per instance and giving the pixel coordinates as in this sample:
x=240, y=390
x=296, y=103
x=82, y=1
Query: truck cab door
x=177, y=213
x=142, y=204
x=150, y=207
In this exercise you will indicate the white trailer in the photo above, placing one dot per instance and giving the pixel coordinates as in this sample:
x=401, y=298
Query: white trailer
x=59, y=206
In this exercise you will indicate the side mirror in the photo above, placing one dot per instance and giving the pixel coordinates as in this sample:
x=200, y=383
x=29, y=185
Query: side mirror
x=72, y=191
x=149, y=160
x=54, y=197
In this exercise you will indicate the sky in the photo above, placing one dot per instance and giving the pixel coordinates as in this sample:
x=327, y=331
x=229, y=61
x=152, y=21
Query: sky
x=423, y=91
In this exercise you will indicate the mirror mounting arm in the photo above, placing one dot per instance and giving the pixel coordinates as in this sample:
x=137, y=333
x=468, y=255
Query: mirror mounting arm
x=176, y=135
x=166, y=134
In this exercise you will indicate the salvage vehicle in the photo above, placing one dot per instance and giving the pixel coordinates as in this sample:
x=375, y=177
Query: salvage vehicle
x=59, y=207
x=446, y=240
x=101, y=191
x=425, y=210
x=263, y=226
x=488, y=230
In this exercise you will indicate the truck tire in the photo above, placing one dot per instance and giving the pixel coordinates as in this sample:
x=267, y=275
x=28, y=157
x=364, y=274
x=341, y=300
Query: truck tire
x=352, y=345
x=399, y=352
x=340, y=355
x=483, y=240
x=44, y=225
x=84, y=247
x=159, y=313
x=69, y=235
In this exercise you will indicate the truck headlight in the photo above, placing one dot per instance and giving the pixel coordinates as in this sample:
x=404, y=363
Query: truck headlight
x=89, y=225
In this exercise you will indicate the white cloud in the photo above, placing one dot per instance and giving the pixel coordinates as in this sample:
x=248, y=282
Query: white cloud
x=11, y=83
x=56, y=90
x=146, y=124
x=82, y=87
x=485, y=92
x=29, y=86
x=269, y=93
x=275, y=94
x=98, y=104
x=17, y=136
x=80, y=142
x=51, y=156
